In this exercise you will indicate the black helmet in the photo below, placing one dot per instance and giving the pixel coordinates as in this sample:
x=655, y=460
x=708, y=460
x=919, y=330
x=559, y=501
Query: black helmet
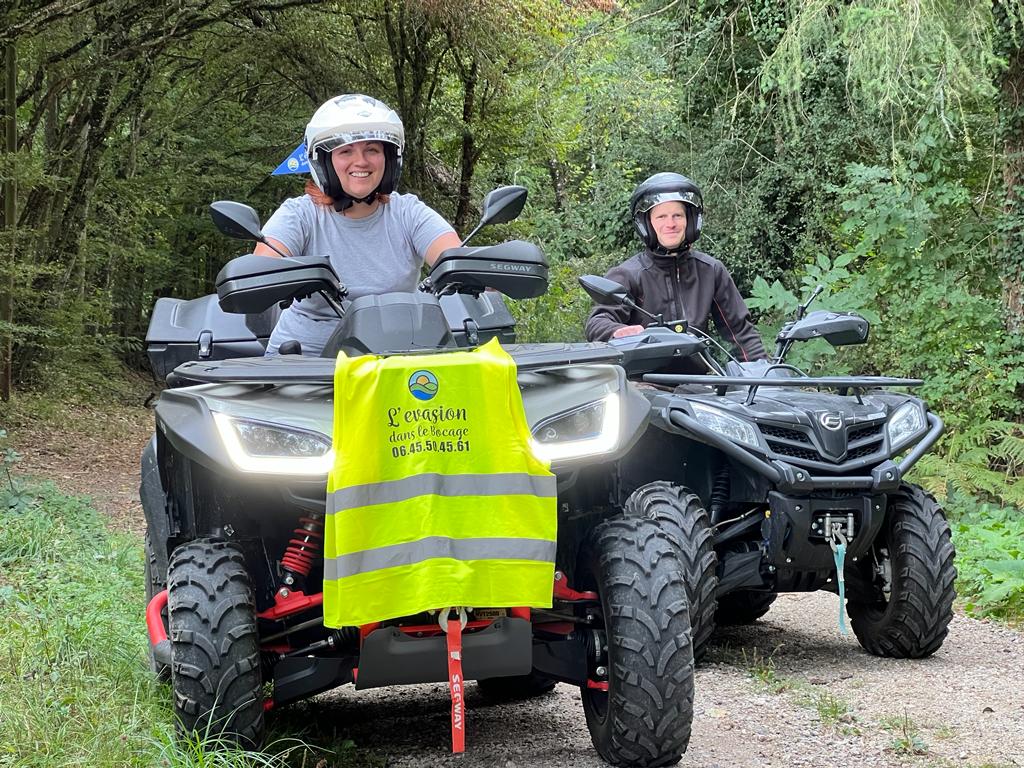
x=663, y=188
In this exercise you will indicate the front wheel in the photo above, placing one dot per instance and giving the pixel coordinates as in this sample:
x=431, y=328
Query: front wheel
x=681, y=516
x=644, y=717
x=215, y=661
x=901, y=593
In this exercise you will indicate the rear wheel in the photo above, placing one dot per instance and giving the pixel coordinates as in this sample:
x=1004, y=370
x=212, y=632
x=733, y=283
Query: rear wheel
x=743, y=607
x=901, y=594
x=155, y=584
x=515, y=688
x=215, y=662
x=644, y=717
x=680, y=514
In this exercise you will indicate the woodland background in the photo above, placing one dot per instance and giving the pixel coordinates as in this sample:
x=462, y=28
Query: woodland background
x=875, y=147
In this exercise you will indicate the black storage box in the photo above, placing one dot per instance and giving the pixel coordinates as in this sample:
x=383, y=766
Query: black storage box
x=180, y=331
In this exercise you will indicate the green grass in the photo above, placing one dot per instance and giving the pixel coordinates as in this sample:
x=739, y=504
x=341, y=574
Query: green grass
x=830, y=708
x=75, y=686
x=762, y=669
x=906, y=737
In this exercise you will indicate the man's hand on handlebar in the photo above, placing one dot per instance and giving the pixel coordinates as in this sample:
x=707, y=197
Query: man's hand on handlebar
x=627, y=330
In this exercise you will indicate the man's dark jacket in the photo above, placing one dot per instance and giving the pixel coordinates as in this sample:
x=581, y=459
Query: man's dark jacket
x=690, y=286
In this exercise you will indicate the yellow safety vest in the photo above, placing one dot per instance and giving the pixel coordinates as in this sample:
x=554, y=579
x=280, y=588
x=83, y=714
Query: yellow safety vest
x=435, y=498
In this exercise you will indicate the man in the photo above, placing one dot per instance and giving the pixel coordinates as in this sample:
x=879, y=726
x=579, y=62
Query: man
x=670, y=278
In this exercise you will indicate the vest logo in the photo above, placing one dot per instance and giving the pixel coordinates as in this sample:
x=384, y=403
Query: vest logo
x=423, y=385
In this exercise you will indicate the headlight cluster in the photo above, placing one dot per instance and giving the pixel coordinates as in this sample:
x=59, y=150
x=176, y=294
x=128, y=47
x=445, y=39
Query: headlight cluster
x=725, y=424
x=905, y=422
x=255, y=446
x=585, y=431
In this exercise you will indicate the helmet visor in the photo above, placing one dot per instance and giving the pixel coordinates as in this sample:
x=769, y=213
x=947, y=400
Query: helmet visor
x=651, y=199
x=344, y=138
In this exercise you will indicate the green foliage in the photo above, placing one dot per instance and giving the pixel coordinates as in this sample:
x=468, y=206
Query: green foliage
x=990, y=558
x=12, y=496
x=75, y=687
x=903, y=61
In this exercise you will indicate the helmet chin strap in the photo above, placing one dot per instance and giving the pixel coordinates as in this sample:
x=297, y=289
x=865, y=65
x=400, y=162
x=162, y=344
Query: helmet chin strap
x=342, y=200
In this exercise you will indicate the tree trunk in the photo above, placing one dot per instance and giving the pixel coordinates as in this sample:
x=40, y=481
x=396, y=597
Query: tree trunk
x=9, y=214
x=469, y=154
x=1012, y=123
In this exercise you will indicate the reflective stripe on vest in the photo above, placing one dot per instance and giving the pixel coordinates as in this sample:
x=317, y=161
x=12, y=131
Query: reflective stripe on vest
x=500, y=484
x=435, y=498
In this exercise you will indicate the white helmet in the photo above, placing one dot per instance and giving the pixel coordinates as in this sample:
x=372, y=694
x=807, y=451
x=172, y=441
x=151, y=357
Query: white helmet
x=345, y=120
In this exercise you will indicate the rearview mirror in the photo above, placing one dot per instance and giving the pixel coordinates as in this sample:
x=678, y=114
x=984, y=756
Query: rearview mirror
x=501, y=206
x=604, y=291
x=236, y=220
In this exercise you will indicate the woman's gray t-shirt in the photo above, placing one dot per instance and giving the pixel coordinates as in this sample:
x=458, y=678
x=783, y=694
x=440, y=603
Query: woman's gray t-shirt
x=380, y=253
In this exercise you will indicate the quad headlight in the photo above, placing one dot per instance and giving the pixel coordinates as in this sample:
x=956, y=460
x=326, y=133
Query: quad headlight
x=725, y=424
x=589, y=430
x=906, y=422
x=256, y=446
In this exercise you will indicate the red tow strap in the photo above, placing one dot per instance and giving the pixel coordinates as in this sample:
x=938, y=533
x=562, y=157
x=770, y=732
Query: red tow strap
x=456, y=685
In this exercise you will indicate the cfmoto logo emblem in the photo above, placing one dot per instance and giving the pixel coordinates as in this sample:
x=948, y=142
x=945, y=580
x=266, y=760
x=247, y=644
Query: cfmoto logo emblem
x=831, y=421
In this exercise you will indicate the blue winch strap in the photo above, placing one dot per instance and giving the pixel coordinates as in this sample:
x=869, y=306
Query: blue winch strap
x=839, y=552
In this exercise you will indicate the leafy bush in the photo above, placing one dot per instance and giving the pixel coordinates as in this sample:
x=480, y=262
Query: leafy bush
x=990, y=558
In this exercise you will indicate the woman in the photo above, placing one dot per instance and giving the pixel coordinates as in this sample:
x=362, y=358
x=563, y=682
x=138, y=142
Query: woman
x=377, y=239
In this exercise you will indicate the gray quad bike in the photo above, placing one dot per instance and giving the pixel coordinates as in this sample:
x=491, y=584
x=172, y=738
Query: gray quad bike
x=764, y=474
x=234, y=484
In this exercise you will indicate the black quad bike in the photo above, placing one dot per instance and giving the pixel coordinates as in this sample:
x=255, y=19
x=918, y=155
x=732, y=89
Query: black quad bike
x=234, y=484
x=774, y=481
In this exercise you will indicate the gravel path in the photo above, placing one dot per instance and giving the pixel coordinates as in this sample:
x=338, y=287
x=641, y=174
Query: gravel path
x=788, y=690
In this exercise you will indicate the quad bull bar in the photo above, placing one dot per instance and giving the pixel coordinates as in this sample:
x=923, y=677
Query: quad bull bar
x=884, y=477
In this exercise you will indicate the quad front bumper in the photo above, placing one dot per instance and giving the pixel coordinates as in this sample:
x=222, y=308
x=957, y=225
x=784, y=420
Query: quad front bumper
x=792, y=480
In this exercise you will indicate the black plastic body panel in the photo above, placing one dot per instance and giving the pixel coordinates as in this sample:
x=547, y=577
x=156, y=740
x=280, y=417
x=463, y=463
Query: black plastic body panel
x=478, y=319
x=838, y=328
x=253, y=283
x=154, y=505
x=390, y=322
x=516, y=268
x=739, y=570
x=298, y=677
x=390, y=657
x=563, y=659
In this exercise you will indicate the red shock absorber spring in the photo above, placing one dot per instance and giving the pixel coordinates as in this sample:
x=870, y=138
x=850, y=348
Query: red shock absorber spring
x=303, y=549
